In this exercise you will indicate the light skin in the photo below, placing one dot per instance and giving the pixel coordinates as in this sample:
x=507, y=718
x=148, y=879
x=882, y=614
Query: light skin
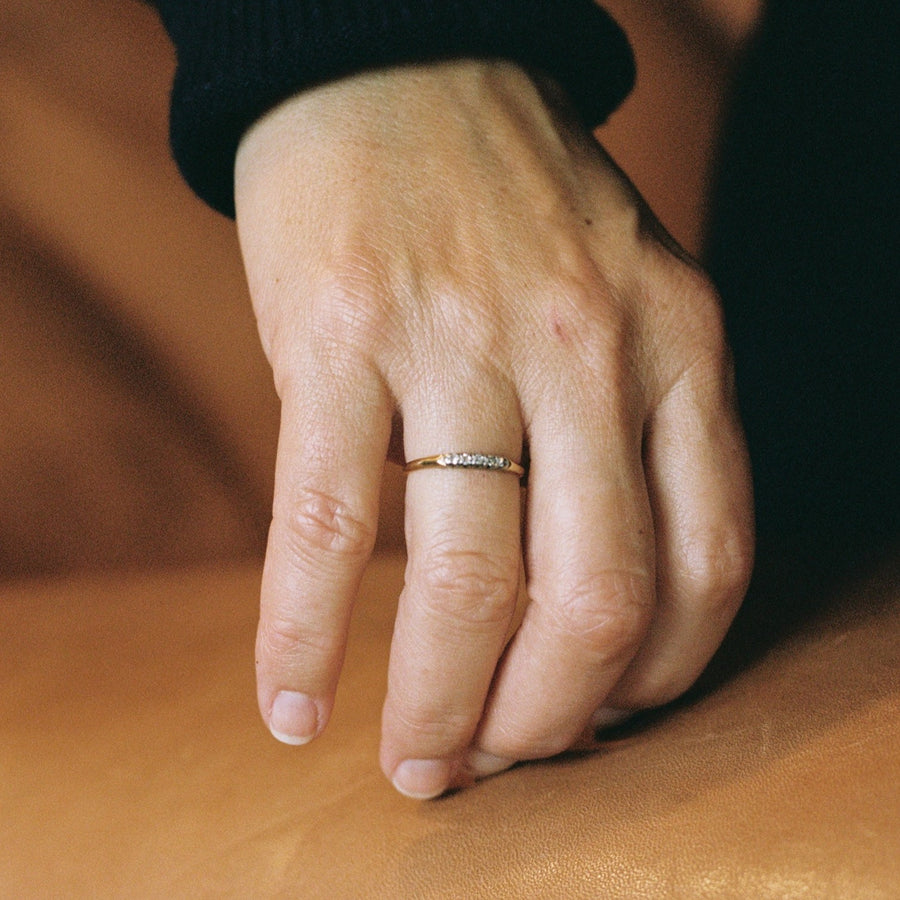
x=442, y=259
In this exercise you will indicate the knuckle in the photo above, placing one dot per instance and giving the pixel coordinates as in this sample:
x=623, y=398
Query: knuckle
x=471, y=327
x=351, y=308
x=606, y=614
x=588, y=316
x=718, y=568
x=589, y=330
x=341, y=320
x=317, y=522
x=700, y=330
x=476, y=588
x=288, y=642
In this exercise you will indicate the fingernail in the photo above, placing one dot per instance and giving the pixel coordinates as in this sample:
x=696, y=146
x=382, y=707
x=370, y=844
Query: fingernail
x=609, y=718
x=422, y=779
x=483, y=765
x=294, y=718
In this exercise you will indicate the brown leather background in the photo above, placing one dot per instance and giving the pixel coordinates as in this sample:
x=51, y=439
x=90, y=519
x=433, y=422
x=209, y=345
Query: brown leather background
x=134, y=765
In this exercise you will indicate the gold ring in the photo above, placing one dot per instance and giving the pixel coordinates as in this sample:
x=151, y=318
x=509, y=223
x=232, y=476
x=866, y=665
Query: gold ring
x=486, y=461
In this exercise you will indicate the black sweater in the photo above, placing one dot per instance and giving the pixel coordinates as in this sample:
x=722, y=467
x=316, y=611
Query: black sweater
x=238, y=58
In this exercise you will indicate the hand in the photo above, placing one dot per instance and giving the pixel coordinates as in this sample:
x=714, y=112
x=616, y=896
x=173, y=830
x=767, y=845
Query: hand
x=446, y=243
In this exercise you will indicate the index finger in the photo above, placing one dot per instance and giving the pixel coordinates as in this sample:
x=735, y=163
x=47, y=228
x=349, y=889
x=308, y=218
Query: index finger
x=335, y=429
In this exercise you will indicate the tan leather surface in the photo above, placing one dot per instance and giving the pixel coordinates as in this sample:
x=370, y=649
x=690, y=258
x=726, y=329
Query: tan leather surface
x=134, y=765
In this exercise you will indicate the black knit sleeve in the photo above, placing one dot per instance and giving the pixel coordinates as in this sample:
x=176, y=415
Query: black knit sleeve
x=238, y=58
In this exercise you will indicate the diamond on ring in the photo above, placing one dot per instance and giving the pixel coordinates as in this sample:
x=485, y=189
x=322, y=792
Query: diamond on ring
x=472, y=461
x=485, y=461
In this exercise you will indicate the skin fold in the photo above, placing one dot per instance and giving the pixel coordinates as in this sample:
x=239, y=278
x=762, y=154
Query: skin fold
x=446, y=249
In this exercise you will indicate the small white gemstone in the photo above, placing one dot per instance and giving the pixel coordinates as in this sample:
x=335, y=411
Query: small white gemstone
x=473, y=461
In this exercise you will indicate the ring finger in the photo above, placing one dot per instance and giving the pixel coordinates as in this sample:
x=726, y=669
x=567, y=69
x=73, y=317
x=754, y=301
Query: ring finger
x=463, y=543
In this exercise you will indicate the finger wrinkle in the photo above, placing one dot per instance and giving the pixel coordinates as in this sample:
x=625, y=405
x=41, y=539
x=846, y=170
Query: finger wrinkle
x=608, y=612
x=467, y=586
x=320, y=522
x=292, y=644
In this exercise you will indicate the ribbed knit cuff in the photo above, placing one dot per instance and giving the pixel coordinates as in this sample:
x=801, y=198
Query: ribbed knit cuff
x=239, y=58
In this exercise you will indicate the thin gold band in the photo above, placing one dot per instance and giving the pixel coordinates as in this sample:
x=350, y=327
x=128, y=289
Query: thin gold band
x=487, y=462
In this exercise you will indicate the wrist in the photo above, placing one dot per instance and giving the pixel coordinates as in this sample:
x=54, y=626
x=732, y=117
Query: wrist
x=230, y=73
